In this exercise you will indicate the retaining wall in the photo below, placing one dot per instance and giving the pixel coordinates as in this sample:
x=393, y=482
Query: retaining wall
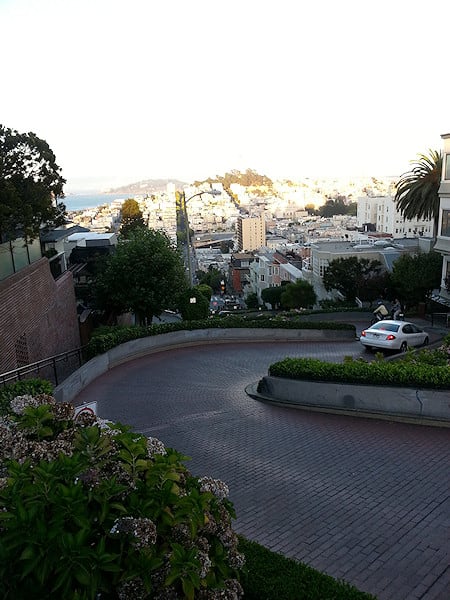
x=395, y=403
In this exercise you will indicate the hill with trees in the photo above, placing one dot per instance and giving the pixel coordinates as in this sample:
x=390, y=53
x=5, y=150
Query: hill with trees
x=146, y=186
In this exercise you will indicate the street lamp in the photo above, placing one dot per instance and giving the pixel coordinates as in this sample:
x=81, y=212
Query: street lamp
x=186, y=225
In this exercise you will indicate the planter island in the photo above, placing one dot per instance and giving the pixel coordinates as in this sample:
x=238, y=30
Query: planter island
x=395, y=400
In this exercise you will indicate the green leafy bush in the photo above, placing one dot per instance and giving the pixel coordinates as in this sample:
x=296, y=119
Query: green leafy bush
x=400, y=373
x=91, y=509
x=21, y=388
x=270, y=576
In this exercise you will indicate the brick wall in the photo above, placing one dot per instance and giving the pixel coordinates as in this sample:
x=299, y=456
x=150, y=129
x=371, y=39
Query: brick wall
x=38, y=316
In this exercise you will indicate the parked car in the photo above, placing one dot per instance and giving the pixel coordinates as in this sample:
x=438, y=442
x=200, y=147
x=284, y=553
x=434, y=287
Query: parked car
x=393, y=335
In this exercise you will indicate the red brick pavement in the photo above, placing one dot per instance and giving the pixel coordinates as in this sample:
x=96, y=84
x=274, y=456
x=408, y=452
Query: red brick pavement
x=362, y=500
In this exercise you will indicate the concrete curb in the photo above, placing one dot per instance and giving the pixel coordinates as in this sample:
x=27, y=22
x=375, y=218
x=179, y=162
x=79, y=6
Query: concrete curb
x=406, y=405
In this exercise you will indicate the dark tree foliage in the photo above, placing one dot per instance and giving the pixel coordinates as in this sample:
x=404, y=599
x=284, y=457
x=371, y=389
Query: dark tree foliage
x=205, y=289
x=30, y=184
x=145, y=275
x=351, y=276
x=252, y=300
x=337, y=207
x=272, y=295
x=226, y=246
x=131, y=217
x=298, y=295
x=414, y=277
x=211, y=277
x=192, y=310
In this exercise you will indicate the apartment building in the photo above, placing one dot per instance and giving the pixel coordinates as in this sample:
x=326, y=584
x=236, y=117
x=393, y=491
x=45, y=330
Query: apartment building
x=251, y=233
x=270, y=269
x=38, y=316
x=239, y=270
x=382, y=212
x=443, y=232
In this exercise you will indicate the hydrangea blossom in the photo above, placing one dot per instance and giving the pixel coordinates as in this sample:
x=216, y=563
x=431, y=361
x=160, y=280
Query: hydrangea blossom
x=215, y=486
x=143, y=530
x=155, y=446
x=20, y=403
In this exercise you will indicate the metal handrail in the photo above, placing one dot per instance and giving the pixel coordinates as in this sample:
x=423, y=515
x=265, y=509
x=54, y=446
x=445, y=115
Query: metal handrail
x=36, y=367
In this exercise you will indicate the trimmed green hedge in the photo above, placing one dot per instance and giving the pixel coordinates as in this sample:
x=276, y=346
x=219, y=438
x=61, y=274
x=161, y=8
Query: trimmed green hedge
x=103, y=342
x=271, y=576
x=401, y=373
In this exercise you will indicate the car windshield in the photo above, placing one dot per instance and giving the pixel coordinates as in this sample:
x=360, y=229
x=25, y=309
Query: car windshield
x=386, y=326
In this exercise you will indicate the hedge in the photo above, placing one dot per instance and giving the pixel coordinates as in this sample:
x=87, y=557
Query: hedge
x=103, y=341
x=271, y=576
x=403, y=373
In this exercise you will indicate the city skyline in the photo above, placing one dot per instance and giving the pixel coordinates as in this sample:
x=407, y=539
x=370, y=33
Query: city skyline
x=144, y=90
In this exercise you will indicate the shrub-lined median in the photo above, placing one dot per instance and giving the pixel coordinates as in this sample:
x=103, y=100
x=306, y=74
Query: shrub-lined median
x=425, y=369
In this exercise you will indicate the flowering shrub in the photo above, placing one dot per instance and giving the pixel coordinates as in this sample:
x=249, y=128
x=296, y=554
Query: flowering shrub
x=91, y=510
x=20, y=388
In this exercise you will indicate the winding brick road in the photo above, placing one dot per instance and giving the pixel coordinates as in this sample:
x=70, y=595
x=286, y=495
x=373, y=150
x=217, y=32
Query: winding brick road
x=362, y=500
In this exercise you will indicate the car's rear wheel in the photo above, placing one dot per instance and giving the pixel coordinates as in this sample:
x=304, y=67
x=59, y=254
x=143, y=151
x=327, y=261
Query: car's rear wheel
x=404, y=347
x=426, y=341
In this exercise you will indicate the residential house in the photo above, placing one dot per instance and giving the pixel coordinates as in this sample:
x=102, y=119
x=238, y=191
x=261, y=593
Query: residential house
x=443, y=233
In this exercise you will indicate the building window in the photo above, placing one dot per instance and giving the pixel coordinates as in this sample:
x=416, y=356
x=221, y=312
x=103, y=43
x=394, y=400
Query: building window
x=445, y=228
x=262, y=277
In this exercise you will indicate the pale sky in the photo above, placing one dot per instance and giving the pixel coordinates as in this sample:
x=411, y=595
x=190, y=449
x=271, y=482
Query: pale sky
x=144, y=89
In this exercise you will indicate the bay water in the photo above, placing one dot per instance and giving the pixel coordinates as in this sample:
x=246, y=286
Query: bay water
x=85, y=201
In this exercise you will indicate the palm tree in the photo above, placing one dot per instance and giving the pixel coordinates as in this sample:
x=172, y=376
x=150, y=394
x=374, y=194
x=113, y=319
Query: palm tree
x=417, y=190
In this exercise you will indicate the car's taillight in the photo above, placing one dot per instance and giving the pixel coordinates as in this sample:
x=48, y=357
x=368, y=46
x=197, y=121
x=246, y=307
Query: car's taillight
x=363, y=333
x=390, y=337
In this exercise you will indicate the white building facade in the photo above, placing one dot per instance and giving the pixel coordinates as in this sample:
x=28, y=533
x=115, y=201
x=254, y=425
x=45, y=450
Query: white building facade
x=443, y=232
x=382, y=212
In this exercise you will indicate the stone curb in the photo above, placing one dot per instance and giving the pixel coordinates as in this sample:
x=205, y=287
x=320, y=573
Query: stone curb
x=404, y=405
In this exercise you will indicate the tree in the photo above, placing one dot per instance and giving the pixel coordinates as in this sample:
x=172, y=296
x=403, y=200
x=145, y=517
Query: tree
x=272, y=295
x=194, y=305
x=144, y=276
x=205, y=289
x=414, y=277
x=30, y=184
x=226, y=246
x=417, y=190
x=212, y=277
x=298, y=295
x=350, y=276
x=311, y=209
x=131, y=216
x=251, y=300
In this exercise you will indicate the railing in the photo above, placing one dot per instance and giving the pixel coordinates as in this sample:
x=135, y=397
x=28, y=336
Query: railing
x=55, y=368
x=440, y=316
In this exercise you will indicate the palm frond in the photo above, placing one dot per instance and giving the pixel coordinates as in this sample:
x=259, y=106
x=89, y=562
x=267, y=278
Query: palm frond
x=417, y=190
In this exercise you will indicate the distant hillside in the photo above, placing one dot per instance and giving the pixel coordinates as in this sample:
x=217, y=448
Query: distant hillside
x=147, y=186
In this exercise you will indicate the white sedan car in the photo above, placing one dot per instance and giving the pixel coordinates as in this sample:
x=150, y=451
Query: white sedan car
x=393, y=335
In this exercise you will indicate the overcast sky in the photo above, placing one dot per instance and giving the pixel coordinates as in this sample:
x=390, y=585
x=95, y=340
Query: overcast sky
x=137, y=89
